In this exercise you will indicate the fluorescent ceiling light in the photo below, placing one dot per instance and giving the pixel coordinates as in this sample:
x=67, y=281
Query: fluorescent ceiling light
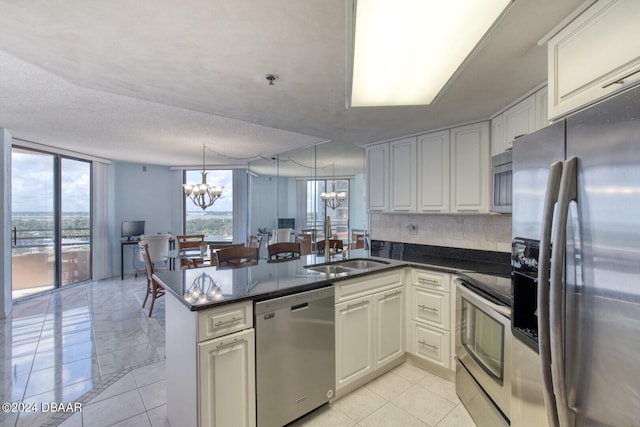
x=405, y=51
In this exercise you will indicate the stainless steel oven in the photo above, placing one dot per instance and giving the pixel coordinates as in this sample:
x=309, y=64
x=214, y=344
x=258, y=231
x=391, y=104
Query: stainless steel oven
x=483, y=354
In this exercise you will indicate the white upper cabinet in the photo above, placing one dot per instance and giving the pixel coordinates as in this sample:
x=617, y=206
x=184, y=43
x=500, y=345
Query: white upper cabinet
x=433, y=172
x=519, y=120
x=470, y=168
x=378, y=177
x=403, y=175
x=542, y=103
x=596, y=54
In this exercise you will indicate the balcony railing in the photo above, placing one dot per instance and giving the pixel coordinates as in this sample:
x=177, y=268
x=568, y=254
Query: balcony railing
x=33, y=258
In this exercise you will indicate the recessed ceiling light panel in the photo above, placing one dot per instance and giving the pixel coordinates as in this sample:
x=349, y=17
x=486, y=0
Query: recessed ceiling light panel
x=405, y=51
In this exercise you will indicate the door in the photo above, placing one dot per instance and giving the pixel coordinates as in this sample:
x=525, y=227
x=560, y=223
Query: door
x=354, y=340
x=433, y=173
x=227, y=380
x=532, y=156
x=470, y=168
x=378, y=177
x=389, y=322
x=51, y=221
x=603, y=264
x=403, y=175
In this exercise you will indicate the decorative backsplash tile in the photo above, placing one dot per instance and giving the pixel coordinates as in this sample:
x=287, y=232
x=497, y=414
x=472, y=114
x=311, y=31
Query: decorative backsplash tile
x=484, y=232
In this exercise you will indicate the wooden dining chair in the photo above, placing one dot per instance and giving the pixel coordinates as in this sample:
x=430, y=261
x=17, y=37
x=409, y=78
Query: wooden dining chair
x=358, y=238
x=336, y=244
x=305, y=243
x=154, y=289
x=237, y=256
x=188, y=241
x=254, y=241
x=215, y=247
x=284, y=250
x=313, y=233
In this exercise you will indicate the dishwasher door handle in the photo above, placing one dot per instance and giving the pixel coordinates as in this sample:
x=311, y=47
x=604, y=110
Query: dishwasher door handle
x=299, y=307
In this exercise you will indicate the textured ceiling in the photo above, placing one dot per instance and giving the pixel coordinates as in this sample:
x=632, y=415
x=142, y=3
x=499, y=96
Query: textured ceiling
x=151, y=80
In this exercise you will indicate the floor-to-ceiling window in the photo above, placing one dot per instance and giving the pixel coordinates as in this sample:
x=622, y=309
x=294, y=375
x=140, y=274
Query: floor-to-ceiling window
x=318, y=211
x=51, y=221
x=216, y=221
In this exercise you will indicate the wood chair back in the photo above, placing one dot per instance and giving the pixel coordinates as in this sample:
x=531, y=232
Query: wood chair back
x=336, y=244
x=154, y=289
x=189, y=241
x=305, y=243
x=358, y=242
x=215, y=247
x=237, y=256
x=284, y=250
x=358, y=238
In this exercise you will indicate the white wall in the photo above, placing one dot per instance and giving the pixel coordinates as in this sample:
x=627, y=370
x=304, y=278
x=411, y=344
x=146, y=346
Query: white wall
x=144, y=192
x=484, y=232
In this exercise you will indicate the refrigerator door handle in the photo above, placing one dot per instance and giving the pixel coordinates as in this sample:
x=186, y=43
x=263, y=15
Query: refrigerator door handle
x=551, y=197
x=568, y=193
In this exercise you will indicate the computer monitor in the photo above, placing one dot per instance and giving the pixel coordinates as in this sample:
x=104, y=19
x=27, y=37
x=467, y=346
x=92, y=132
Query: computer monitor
x=287, y=223
x=131, y=229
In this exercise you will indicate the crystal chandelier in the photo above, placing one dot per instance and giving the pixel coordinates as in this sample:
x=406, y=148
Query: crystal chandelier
x=203, y=195
x=333, y=199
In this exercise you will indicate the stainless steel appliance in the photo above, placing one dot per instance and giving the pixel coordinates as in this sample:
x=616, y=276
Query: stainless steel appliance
x=295, y=355
x=501, y=168
x=483, y=347
x=576, y=262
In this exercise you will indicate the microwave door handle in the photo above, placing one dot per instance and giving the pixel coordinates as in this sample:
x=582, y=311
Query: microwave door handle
x=551, y=197
x=568, y=193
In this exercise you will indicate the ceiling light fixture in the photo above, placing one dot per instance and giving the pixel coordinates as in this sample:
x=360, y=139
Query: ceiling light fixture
x=333, y=199
x=405, y=51
x=203, y=195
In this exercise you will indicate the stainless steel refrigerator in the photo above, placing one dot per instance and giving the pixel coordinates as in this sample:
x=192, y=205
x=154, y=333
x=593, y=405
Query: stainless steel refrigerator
x=576, y=263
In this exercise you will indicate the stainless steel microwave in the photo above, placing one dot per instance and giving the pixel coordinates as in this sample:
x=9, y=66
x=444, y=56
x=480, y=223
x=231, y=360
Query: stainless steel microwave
x=502, y=174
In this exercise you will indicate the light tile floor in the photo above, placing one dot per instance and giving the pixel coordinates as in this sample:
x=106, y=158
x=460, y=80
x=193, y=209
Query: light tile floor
x=92, y=345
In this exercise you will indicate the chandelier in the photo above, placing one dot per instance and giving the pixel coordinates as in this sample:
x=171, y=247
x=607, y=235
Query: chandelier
x=203, y=194
x=333, y=199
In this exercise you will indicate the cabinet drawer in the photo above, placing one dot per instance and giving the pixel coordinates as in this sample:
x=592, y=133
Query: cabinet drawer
x=432, y=280
x=224, y=320
x=367, y=285
x=432, y=307
x=431, y=344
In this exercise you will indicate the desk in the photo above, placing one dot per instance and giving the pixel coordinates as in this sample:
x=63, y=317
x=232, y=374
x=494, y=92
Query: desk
x=124, y=243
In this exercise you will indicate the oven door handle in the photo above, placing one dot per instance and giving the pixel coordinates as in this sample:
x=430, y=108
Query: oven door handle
x=544, y=258
x=472, y=296
x=568, y=193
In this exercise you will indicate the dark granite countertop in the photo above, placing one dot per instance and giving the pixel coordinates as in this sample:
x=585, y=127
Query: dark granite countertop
x=206, y=287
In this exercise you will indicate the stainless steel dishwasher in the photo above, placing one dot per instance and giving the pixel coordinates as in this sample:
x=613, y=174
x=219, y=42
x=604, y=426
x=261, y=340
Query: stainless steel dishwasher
x=295, y=355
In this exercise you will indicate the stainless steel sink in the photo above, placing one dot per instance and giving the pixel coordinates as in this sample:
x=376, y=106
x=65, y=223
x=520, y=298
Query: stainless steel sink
x=329, y=269
x=361, y=264
x=347, y=266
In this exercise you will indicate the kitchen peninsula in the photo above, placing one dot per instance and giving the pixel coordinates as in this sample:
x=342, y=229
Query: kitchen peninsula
x=211, y=338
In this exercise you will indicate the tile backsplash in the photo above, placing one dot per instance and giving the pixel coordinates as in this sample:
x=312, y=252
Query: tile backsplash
x=484, y=232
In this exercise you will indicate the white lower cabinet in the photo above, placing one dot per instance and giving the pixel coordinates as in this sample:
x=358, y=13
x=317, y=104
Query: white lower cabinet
x=388, y=326
x=370, y=320
x=210, y=365
x=431, y=344
x=432, y=318
x=354, y=340
x=226, y=386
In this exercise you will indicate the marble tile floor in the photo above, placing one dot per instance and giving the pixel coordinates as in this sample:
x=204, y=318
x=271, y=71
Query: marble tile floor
x=94, y=346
